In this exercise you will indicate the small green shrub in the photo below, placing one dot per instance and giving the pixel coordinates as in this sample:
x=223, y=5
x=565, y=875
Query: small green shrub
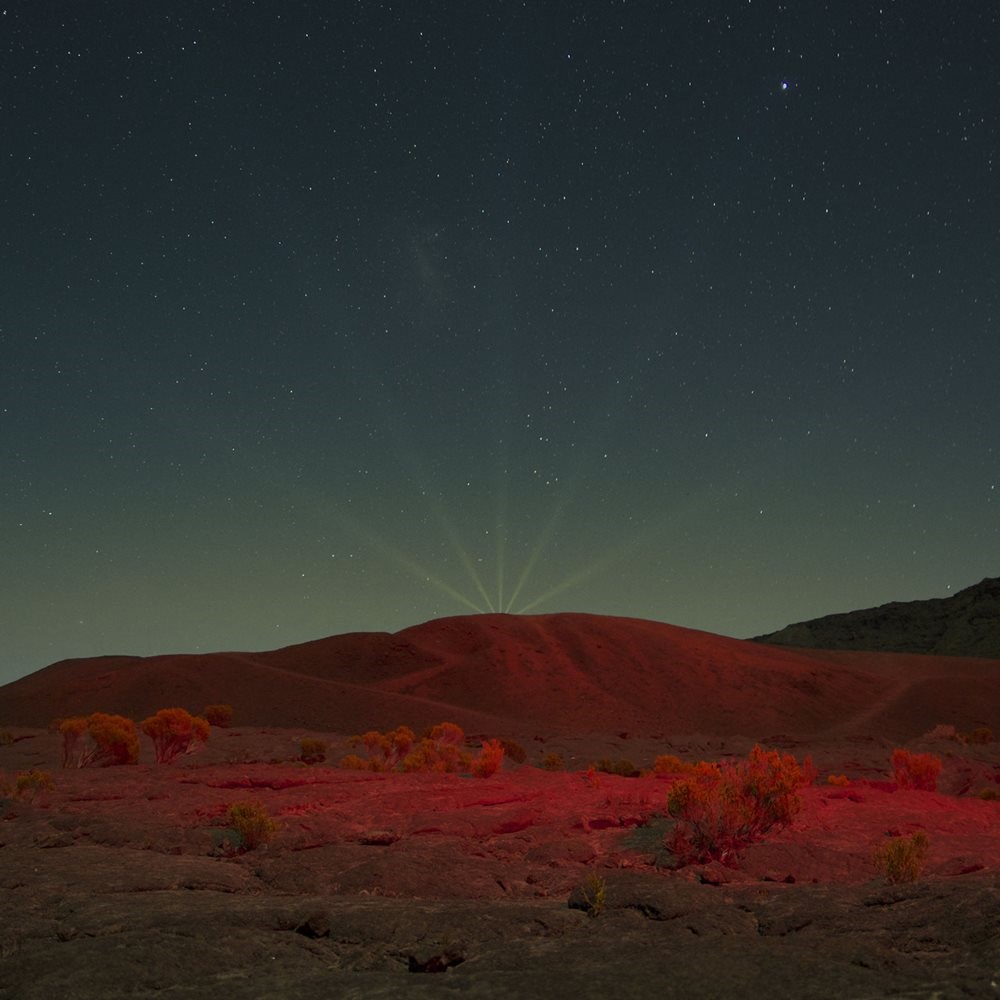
x=553, y=762
x=916, y=770
x=312, y=751
x=595, y=894
x=252, y=822
x=901, y=859
x=989, y=794
x=219, y=715
x=28, y=783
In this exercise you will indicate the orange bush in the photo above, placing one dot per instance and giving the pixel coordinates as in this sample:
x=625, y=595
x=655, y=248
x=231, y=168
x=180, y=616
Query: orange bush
x=840, y=780
x=352, y=762
x=669, y=763
x=175, y=731
x=98, y=739
x=916, y=770
x=219, y=715
x=489, y=760
x=723, y=807
x=385, y=750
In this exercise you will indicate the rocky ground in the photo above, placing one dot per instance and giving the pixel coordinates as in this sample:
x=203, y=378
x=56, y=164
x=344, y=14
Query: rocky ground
x=125, y=881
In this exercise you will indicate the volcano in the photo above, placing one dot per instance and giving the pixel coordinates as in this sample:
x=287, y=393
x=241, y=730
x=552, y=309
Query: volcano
x=560, y=673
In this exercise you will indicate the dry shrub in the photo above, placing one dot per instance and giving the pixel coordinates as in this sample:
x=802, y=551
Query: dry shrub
x=514, y=751
x=439, y=751
x=669, y=764
x=385, y=750
x=352, y=762
x=624, y=768
x=98, y=739
x=839, y=780
x=28, y=783
x=489, y=760
x=175, y=731
x=916, y=770
x=901, y=859
x=723, y=807
x=218, y=715
x=312, y=751
x=978, y=737
x=553, y=762
x=252, y=822
x=595, y=894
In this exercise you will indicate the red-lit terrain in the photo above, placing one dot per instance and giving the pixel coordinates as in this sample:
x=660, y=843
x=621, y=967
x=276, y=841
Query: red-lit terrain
x=117, y=882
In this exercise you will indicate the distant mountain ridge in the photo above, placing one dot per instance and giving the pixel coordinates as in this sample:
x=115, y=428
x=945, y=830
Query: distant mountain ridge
x=965, y=624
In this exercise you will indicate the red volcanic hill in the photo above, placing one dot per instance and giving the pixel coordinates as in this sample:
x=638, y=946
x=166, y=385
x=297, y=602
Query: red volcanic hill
x=516, y=674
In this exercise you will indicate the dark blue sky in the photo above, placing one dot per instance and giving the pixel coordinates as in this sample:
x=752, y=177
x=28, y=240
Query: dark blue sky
x=323, y=317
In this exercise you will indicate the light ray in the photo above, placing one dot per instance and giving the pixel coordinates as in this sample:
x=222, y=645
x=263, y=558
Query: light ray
x=411, y=565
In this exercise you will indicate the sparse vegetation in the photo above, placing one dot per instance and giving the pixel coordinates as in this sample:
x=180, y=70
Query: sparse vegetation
x=624, y=768
x=352, y=762
x=553, y=762
x=440, y=750
x=489, y=760
x=669, y=764
x=252, y=822
x=989, y=794
x=175, y=731
x=98, y=739
x=514, y=751
x=595, y=894
x=312, y=751
x=28, y=783
x=978, y=737
x=916, y=770
x=219, y=715
x=723, y=807
x=901, y=859
x=385, y=750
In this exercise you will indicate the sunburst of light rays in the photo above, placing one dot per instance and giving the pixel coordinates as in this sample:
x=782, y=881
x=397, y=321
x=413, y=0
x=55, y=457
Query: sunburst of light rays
x=396, y=555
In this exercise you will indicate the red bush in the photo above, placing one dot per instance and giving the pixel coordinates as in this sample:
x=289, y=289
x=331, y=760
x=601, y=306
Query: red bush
x=175, y=731
x=916, y=770
x=98, y=739
x=724, y=807
x=489, y=760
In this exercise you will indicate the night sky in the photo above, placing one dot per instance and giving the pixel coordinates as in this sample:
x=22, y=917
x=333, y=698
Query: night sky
x=330, y=317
